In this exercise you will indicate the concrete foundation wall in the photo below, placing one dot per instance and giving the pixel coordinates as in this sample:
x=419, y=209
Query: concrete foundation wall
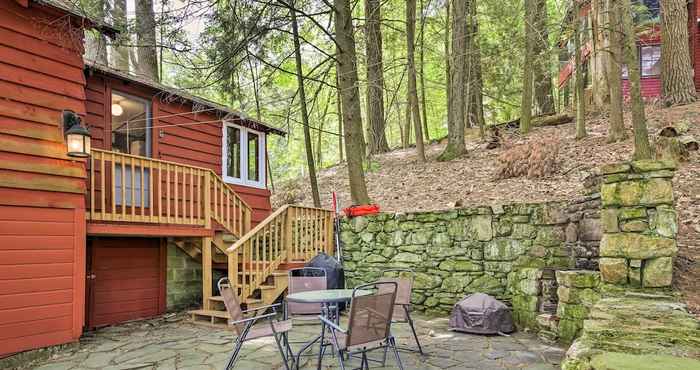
x=184, y=284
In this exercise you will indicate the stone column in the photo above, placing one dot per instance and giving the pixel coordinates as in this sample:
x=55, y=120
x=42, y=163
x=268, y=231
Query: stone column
x=639, y=224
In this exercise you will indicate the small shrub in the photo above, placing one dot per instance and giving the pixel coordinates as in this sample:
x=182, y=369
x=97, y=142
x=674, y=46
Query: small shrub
x=533, y=159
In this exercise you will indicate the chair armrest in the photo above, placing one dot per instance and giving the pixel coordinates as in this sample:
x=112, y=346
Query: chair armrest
x=332, y=324
x=252, y=319
x=273, y=306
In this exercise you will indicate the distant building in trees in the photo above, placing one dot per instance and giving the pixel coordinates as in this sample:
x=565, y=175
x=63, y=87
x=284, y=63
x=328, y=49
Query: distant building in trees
x=648, y=28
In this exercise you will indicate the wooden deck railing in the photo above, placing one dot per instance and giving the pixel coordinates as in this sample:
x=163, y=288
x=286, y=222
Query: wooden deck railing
x=292, y=233
x=130, y=188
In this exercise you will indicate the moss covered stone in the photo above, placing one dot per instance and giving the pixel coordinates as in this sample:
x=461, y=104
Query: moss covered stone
x=658, y=272
x=652, y=165
x=636, y=246
x=613, y=270
x=578, y=278
x=569, y=330
x=503, y=250
x=626, y=361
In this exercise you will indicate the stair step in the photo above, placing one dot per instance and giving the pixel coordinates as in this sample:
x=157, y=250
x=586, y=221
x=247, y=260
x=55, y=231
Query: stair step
x=218, y=298
x=267, y=287
x=210, y=313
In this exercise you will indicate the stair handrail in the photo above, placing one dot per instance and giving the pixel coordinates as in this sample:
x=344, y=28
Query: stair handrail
x=249, y=235
x=290, y=233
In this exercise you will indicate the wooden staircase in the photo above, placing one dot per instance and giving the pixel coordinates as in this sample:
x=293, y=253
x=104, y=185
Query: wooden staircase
x=257, y=263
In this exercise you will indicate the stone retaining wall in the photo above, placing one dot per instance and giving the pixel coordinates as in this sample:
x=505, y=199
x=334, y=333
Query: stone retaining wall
x=458, y=252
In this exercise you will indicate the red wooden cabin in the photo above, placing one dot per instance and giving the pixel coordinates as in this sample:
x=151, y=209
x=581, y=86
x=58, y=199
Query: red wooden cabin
x=649, y=50
x=87, y=242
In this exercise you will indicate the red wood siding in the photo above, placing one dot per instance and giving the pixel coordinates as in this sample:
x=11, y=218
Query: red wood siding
x=42, y=209
x=129, y=280
x=197, y=145
x=650, y=86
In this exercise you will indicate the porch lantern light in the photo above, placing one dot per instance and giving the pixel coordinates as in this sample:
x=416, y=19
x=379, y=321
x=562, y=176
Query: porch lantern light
x=77, y=136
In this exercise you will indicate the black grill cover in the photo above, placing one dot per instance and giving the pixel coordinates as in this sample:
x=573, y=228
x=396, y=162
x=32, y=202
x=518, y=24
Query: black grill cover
x=481, y=313
x=335, y=276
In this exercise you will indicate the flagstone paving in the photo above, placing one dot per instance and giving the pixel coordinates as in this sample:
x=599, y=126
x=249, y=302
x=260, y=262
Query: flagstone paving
x=173, y=342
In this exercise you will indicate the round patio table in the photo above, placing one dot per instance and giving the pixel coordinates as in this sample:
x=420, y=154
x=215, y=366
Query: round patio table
x=328, y=299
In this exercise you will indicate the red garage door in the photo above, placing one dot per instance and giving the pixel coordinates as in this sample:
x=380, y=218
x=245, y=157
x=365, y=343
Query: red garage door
x=127, y=280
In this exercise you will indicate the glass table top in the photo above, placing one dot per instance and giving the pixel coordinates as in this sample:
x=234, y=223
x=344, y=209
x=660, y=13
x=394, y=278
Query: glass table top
x=325, y=296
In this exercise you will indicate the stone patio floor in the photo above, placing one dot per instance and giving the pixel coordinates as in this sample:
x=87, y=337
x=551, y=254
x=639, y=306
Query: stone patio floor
x=174, y=342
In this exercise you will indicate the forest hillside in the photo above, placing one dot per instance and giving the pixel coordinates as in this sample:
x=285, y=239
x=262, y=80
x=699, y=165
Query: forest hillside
x=397, y=182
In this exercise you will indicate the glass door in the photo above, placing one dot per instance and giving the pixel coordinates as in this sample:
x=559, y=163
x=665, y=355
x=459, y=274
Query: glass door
x=131, y=134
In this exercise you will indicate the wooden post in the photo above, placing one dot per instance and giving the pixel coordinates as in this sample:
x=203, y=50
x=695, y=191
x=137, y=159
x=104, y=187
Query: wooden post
x=330, y=235
x=247, y=221
x=288, y=235
x=207, y=199
x=206, y=272
x=233, y=271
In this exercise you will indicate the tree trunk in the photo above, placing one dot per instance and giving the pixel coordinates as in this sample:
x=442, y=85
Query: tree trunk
x=598, y=60
x=339, y=108
x=412, y=90
x=120, y=53
x=352, y=115
x=146, y=38
x=421, y=58
x=458, y=74
x=476, y=104
x=542, y=62
x=616, y=131
x=526, y=101
x=321, y=124
x=448, y=87
x=580, y=102
x=676, y=68
x=95, y=41
x=375, y=79
x=406, y=130
x=304, y=112
x=642, y=148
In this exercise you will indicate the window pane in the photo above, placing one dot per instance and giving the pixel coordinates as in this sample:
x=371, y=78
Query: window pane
x=253, y=157
x=233, y=160
x=651, y=60
x=130, y=125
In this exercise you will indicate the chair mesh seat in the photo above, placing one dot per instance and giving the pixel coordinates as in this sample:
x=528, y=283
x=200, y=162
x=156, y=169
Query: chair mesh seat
x=264, y=330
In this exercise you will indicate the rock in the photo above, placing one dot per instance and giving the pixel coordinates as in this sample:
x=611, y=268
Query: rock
x=578, y=278
x=426, y=281
x=486, y=284
x=665, y=222
x=636, y=226
x=612, y=168
x=550, y=236
x=634, y=193
x=613, y=270
x=658, y=272
x=462, y=266
x=375, y=258
x=628, y=361
x=650, y=165
x=590, y=229
x=366, y=237
x=456, y=284
x=657, y=191
x=503, y=250
x=396, y=238
x=569, y=330
x=634, y=273
x=608, y=221
x=359, y=223
x=407, y=258
x=549, y=214
x=523, y=231
x=630, y=213
x=481, y=226
x=571, y=232
x=586, y=296
x=636, y=246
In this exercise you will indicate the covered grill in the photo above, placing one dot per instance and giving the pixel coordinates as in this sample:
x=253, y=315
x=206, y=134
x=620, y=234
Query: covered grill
x=481, y=313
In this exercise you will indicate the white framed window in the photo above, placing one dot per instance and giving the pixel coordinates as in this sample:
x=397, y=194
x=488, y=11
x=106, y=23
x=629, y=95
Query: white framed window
x=243, y=153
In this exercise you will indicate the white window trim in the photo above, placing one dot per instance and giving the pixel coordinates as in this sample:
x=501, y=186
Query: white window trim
x=262, y=184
